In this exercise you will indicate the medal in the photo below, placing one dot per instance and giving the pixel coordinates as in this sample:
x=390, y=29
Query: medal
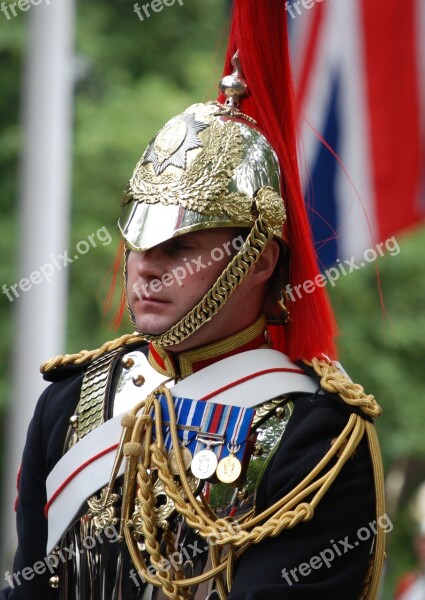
x=172, y=460
x=230, y=467
x=204, y=464
x=213, y=427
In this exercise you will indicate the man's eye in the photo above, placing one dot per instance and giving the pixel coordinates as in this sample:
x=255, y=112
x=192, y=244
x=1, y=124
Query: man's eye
x=183, y=246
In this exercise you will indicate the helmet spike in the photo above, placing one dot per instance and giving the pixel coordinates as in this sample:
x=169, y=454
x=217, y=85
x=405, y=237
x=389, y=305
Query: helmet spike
x=234, y=86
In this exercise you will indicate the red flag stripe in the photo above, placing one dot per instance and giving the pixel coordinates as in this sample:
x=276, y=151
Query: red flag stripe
x=391, y=69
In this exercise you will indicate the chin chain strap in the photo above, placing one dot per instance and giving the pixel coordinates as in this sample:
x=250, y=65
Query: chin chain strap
x=216, y=297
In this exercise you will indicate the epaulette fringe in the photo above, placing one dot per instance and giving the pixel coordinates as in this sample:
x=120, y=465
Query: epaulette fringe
x=85, y=356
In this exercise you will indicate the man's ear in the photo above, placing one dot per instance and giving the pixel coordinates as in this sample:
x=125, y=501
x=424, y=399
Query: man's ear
x=266, y=264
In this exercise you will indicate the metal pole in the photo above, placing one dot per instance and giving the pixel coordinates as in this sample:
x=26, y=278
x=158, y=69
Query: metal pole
x=40, y=309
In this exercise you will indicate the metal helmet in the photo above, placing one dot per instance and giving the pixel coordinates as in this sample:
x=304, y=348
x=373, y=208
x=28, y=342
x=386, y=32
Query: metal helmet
x=208, y=167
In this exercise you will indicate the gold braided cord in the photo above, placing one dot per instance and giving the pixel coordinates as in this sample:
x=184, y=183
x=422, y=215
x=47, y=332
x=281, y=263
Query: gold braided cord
x=89, y=355
x=372, y=585
x=223, y=288
x=335, y=382
x=295, y=507
x=332, y=380
x=214, y=553
x=366, y=585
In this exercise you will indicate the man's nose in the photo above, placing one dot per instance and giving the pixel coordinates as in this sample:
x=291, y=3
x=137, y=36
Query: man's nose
x=150, y=263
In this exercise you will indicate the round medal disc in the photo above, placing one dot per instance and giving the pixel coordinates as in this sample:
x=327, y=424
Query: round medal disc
x=172, y=460
x=204, y=464
x=229, y=469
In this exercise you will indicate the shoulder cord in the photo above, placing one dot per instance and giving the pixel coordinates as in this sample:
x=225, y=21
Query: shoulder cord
x=334, y=382
x=89, y=355
x=144, y=454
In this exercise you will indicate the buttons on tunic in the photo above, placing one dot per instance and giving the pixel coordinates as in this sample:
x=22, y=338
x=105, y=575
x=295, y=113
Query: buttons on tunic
x=257, y=450
x=73, y=421
x=127, y=362
x=138, y=380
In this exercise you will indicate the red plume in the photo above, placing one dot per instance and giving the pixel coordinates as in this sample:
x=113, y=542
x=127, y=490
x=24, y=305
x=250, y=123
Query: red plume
x=117, y=269
x=259, y=33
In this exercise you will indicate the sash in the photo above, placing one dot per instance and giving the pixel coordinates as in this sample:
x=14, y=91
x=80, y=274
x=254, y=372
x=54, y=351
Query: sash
x=243, y=380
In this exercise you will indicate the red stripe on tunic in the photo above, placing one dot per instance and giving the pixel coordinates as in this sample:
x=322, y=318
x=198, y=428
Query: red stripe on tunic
x=74, y=474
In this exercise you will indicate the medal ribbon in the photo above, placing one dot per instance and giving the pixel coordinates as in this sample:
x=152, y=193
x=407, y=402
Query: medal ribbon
x=231, y=422
x=215, y=421
x=239, y=428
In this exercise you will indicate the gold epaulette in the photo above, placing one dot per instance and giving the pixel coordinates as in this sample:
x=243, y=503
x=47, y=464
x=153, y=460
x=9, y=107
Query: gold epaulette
x=335, y=382
x=86, y=356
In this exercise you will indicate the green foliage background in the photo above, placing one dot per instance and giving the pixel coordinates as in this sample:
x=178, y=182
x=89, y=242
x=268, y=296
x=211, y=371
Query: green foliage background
x=130, y=77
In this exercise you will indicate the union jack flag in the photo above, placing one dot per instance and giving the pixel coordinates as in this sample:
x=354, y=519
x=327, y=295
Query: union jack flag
x=359, y=68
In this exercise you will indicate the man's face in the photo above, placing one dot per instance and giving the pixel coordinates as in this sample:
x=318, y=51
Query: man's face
x=167, y=281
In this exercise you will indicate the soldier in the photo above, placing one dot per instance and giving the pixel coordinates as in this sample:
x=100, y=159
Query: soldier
x=174, y=499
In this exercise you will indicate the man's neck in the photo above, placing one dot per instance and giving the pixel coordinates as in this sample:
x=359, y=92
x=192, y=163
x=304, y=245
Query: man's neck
x=179, y=365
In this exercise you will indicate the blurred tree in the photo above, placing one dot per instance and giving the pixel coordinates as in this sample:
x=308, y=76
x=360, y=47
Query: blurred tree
x=11, y=51
x=384, y=348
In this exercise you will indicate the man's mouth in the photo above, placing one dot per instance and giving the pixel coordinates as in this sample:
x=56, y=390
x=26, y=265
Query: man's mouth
x=153, y=300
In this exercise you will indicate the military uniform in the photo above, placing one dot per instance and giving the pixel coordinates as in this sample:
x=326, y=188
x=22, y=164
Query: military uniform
x=274, y=567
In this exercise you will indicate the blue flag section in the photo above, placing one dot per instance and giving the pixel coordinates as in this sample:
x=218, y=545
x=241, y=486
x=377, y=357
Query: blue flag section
x=359, y=71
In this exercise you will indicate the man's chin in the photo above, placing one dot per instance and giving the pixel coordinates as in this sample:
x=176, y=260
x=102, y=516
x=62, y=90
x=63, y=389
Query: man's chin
x=152, y=329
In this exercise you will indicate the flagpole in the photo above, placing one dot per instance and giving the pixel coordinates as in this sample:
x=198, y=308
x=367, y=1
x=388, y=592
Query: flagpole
x=39, y=293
